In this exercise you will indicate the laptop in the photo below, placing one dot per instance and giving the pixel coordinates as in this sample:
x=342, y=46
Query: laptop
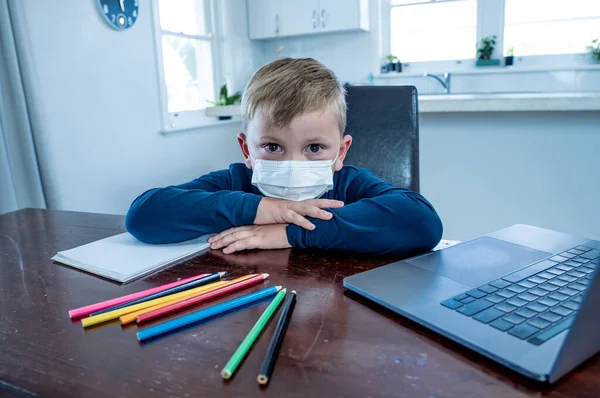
x=526, y=297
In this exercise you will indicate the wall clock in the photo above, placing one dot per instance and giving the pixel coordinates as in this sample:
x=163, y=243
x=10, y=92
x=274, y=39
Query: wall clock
x=119, y=14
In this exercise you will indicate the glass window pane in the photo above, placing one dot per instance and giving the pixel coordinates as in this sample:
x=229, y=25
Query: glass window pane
x=187, y=16
x=540, y=27
x=434, y=31
x=404, y=2
x=188, y=73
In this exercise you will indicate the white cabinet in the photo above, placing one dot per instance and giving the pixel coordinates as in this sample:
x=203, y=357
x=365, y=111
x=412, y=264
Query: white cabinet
x=264, y=18
x=299, y=17
x=340, y=15
x=268, y=19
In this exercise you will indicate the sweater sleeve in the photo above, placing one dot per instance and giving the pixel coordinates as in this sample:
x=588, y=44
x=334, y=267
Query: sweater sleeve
x=378, y=218
x=202, y=206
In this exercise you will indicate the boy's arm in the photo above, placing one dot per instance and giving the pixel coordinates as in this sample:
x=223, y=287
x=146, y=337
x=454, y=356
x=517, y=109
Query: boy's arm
x=178, y=213
x=381, y=219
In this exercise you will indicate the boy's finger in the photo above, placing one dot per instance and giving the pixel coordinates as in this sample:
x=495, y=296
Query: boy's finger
x=315, y=212
x=247, y=243
x=228, y=239
x=220, y=235
x=325, y=203
x=301, y=221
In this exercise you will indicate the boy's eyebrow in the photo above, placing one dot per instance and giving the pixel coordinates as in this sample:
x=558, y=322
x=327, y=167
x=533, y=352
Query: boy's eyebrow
x=317, y=138
x=268, y=138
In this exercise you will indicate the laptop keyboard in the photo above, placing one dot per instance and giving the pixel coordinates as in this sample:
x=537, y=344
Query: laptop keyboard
x=535, y=303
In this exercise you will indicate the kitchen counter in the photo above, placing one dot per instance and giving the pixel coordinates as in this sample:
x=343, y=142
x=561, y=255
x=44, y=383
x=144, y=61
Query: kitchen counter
x=509, y=102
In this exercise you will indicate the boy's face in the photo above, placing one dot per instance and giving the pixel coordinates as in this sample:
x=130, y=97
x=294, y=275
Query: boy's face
x=311, y=136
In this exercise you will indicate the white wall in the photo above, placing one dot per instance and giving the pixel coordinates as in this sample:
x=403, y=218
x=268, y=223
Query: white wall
x=95, y=106
x=351, y=55
x=486, y=171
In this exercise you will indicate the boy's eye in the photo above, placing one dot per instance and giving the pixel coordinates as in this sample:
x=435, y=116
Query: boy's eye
x=314, y=148
x=272, y=147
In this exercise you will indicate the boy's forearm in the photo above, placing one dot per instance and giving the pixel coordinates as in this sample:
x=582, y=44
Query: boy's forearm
x=400, y=225
x=173, y=214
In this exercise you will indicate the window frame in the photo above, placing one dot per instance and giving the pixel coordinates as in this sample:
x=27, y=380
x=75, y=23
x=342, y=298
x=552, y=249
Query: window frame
x=420, y=66
x=490, y=21
x=187, y=120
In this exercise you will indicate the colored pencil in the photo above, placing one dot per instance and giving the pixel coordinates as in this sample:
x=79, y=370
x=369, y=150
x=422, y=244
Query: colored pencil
x=266, y=370
x=180, y=304
x=88, y=309
x=132, y=316
x=240, y=353
x=217, y=309
x=109, y=316
x=190, y=285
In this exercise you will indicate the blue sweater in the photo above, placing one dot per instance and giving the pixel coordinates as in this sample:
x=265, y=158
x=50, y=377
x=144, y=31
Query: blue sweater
x=377, y=217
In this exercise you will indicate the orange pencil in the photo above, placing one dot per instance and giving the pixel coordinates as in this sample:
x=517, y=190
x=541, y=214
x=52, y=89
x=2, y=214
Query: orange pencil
x=189, y=301
x=131, y=317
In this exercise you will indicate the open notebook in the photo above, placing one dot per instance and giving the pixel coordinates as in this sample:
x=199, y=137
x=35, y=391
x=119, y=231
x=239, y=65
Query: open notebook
x=124, y=258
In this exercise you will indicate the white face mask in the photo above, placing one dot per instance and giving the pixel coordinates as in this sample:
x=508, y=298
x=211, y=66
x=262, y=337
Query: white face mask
x=293, y=179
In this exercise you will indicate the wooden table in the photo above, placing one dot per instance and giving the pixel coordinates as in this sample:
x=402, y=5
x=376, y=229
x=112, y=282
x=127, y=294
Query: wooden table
x=338, y=344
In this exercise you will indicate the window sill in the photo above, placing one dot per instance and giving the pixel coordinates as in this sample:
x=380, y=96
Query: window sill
x=494, y=70
x=202, y=126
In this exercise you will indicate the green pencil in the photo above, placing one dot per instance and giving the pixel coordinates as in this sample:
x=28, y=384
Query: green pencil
x=246, y=344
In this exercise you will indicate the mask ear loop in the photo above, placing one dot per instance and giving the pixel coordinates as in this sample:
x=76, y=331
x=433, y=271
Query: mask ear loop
x=332, y=162
x=251, y=158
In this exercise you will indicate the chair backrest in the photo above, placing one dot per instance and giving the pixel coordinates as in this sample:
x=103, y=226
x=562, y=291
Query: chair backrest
x=384, y=124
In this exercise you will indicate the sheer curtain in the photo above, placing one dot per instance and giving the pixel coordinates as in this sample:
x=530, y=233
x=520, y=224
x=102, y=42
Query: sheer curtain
x=20, y=182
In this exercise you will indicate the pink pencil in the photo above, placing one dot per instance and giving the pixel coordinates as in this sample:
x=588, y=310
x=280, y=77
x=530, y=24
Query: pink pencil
x=88, y=309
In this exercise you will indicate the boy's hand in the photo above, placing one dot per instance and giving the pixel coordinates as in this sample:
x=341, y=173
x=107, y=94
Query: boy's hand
x=272, y=236
x=280, y=211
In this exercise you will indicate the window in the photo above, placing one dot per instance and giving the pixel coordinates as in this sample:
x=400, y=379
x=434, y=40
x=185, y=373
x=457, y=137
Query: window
x=443, y=35
x=186, y=49
x=430, y=30
x=545, y=27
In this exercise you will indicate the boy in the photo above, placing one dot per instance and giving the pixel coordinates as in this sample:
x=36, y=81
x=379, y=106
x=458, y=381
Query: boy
x=293, y=190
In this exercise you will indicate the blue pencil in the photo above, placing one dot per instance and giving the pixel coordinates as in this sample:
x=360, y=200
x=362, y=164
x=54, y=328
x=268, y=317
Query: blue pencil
x=190, y=285
x=205, y=313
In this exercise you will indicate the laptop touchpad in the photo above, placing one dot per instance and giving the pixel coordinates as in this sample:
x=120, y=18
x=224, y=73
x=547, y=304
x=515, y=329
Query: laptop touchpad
x=478, y=261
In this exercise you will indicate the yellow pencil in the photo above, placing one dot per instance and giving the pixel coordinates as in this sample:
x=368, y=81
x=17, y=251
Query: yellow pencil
x=108, y=316
x=131, y=317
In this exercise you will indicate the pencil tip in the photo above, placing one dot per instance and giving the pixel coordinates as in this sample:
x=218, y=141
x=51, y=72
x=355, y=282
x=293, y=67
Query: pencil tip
x=265, y=276
x=226, y=374
x=262, y=379
x=293, y=291
x=278, y=288
x=222, y=273
x=284, y=290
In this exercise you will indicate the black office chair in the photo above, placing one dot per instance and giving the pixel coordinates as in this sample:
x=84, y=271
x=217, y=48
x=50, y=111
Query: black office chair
x=384, y=124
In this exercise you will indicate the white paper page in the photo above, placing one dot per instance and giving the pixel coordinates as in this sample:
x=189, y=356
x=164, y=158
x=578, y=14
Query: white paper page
x=123, y=254
x=444, y=243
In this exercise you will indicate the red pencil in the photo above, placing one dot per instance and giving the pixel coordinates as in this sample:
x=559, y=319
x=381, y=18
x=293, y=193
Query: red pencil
x=199, y=299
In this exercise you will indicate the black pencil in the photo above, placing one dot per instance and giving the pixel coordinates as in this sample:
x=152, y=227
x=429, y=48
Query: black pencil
x=275, y=345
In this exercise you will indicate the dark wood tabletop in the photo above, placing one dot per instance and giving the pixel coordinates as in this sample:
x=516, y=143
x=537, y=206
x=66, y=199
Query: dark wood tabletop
x=338, y=344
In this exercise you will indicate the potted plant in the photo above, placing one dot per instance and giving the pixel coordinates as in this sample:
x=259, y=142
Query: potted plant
x=393, y=64
x=485, y=51
x=594, y=50
x=510, y=57
x=225, y=107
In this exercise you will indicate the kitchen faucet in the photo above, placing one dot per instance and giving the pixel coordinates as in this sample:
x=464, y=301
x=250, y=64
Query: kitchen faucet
x=445, y=82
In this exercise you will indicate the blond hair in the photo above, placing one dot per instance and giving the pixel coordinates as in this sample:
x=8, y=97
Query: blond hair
x=288, y=87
